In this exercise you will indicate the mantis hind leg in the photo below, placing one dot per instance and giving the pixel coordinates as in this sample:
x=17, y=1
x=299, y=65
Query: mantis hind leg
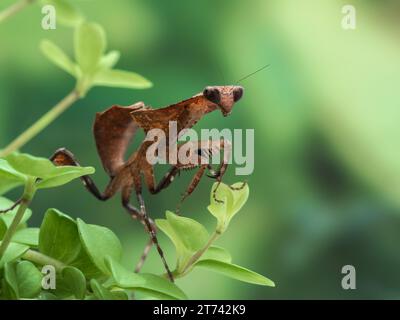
x=149, y=225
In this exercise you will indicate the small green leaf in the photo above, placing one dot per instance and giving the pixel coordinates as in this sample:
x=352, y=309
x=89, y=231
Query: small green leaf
x=161, y=288
x=217, y=253
x=109, y=60
x=99, y=291
x=58, y=237
x=235, y=272
x=239, y=197
x=89, y=45
x=59, y=58
x=29, y=279
x=27, y=236
x=187, y=235
x=121, y=79
x=51, y=176
x=9, y=177
x=152, y=285
x=10, y=281
x=119, y=294
x=30, y=165
x=123, y=277
x=13, y=252
x=66, y=12
x=23, y=280
x=71, y=282
x=99, y=243
x=165, y=227
x=102, y=293
x=233, y=201
x=63, y=175
x=191, y=233
x=45, y=295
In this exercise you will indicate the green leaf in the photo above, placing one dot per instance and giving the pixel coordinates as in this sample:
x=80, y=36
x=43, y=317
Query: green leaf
x=29, y=279
x=71, y=282
x=235, y=272
x=192, y=235
x=102, y=293
x=152, y=285
x=119, y=294
x=89, y=45
x=10, y=285
x=84, y=263
x=217, y=253
x=59, y=237
x=59, y=58
x=13, y=252
x=45, y=295
x=9, y=177
x=239, y=197
x=160, y=287
x=66, y=12
x=123, y=277
x=109, y=60
x=51, y=176
x=21, y=280
x=63, y=175
x=29, y=165
x=99, y=243
x=27, y=236
x=121, y=79
x=187, y=235
x=233, y=201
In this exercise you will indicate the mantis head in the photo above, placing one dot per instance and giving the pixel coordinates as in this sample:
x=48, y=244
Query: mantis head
x=223, y=96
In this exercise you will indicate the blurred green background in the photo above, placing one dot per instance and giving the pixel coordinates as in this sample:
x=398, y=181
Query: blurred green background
x=326, y=187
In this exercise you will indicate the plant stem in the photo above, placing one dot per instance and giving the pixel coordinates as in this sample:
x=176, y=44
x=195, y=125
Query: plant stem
x=25, y=201
x=13, y=9
x=42, y=259
x=42, y=123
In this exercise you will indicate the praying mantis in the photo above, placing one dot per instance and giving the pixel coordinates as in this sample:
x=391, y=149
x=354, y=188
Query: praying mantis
x=115, y=128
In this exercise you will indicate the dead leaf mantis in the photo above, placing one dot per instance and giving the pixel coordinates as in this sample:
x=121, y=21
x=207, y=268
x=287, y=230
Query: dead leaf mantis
x=115, y=128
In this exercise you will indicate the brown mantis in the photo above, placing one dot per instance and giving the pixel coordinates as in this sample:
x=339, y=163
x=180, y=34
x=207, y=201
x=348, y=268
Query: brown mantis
x=115, y=128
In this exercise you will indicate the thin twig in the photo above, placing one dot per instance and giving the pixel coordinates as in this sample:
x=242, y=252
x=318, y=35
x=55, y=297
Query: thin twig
x=42, y=123
x=14, y=9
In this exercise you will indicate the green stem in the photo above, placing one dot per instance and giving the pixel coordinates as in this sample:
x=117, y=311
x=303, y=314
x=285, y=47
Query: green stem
x=13, y=9
x=25, y=201
x=42, y=123
x=42, y=259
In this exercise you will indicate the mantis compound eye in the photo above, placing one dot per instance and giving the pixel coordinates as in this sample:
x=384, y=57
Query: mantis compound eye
x=237, y=93
x=212, y=94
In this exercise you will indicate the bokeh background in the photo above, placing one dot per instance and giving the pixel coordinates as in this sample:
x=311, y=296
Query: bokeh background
x=326, y=187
